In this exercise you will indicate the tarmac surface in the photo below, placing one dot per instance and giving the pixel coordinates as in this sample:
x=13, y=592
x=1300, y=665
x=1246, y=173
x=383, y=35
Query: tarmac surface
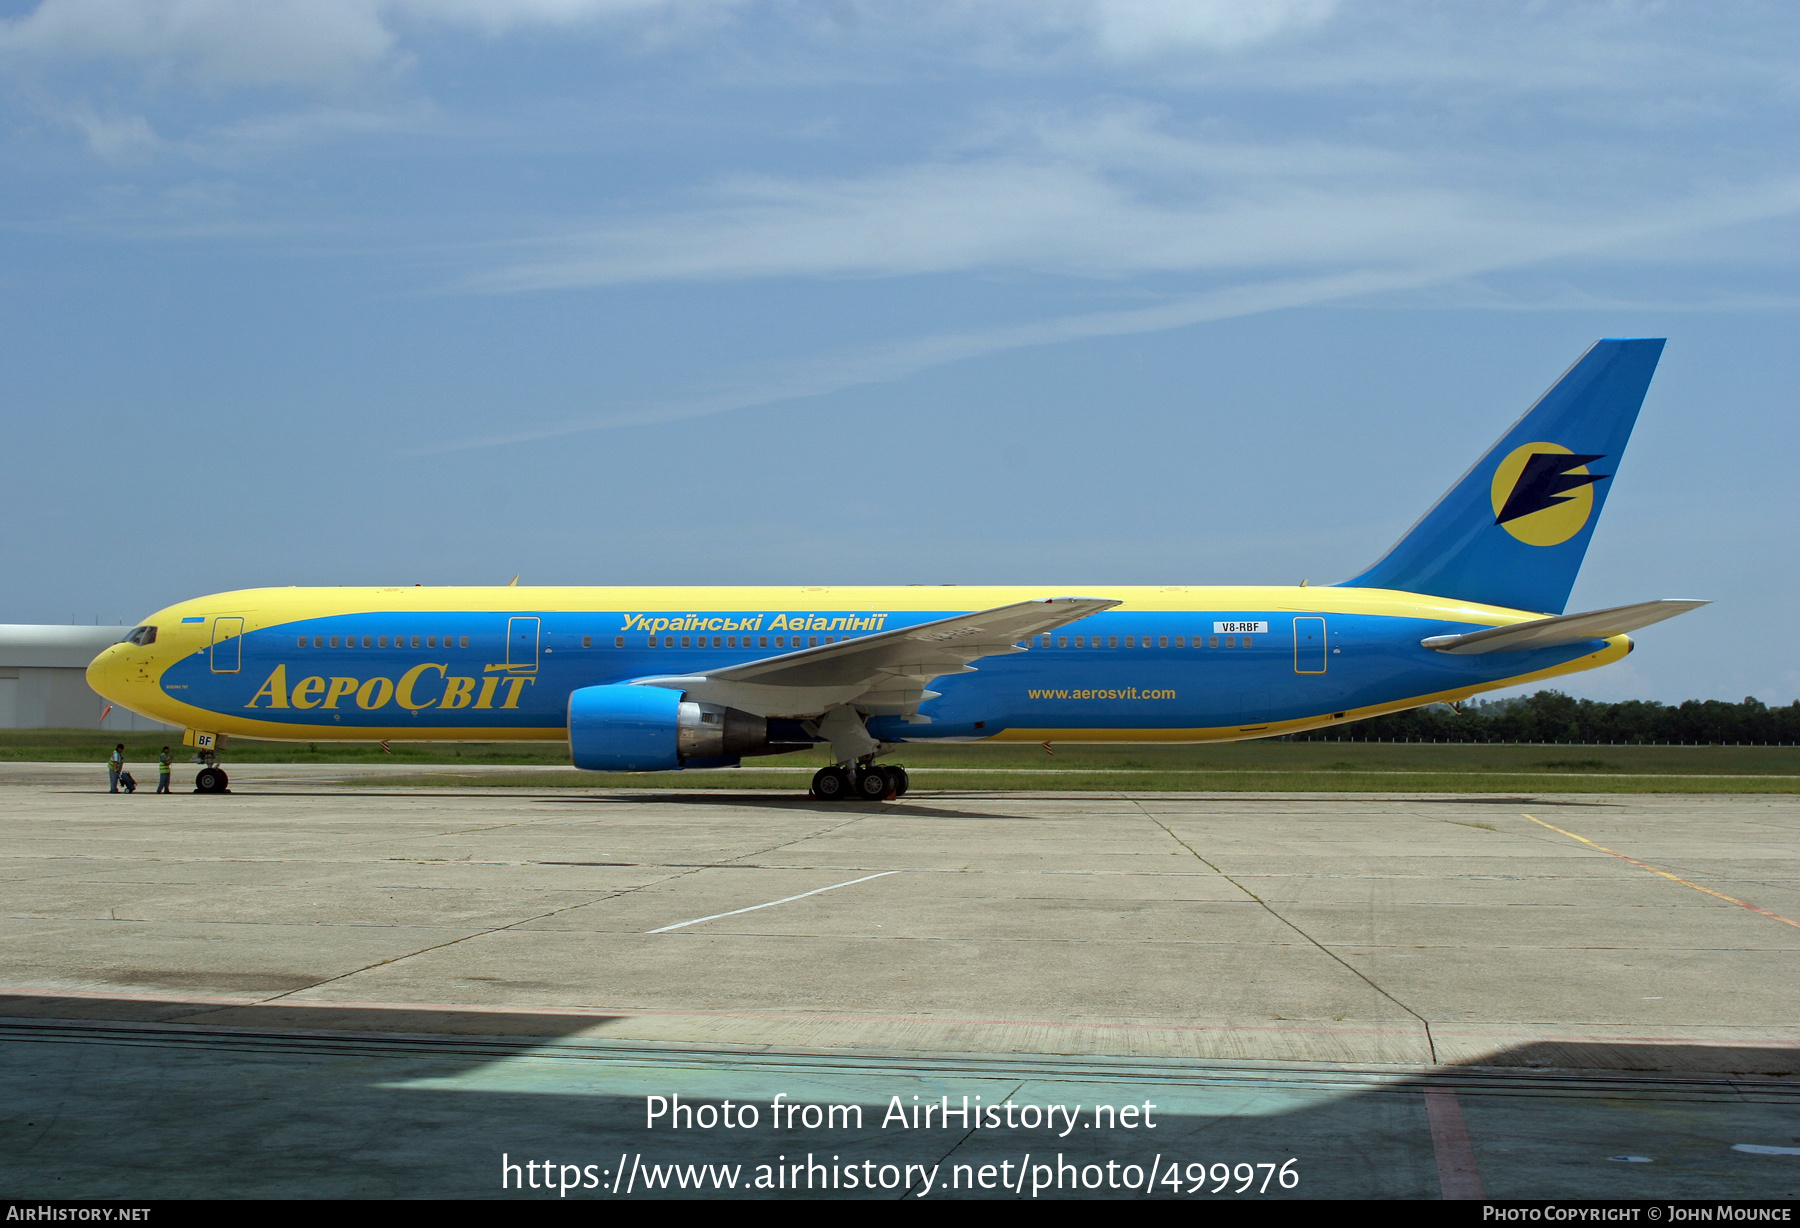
x=317, y=986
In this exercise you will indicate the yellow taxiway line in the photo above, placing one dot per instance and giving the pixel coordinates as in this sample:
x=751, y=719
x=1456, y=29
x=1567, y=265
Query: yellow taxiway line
x=1674, y=878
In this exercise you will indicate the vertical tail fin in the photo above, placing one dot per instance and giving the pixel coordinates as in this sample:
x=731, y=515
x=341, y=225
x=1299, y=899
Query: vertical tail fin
x=1514, y=530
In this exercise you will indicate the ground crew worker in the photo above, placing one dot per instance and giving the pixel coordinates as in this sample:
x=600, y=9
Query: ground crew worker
x=115, y=765
x=162, y=772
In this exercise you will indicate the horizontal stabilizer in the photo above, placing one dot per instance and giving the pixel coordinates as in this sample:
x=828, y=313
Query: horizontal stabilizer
x=1564, y=629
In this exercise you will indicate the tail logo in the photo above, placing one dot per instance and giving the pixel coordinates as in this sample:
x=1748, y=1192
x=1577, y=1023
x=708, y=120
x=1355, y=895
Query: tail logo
x=1543, y=493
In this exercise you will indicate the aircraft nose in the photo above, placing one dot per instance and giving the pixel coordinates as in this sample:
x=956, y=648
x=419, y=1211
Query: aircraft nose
x=106, y=671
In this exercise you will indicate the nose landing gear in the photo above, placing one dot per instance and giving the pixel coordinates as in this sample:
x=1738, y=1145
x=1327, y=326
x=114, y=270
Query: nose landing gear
x=211, y=778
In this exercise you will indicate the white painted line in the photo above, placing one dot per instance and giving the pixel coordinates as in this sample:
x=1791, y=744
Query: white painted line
x=789, y=900
x=1757, y=1149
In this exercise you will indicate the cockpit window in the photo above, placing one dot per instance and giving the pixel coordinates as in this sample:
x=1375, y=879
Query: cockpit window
x=141, y=636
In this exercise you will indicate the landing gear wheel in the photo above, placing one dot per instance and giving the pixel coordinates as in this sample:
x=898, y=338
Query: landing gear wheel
x=872, y=784
x=898, y=778
x=210, y=780
x=831, y=784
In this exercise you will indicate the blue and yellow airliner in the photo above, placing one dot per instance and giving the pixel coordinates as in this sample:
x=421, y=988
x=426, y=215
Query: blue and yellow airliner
x=645, y=679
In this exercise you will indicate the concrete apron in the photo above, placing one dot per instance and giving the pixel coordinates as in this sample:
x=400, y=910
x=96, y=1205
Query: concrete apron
x=1315, y=975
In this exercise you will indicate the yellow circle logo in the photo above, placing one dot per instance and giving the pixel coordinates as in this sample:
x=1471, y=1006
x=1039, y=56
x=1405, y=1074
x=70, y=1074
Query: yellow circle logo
x=1543, y=493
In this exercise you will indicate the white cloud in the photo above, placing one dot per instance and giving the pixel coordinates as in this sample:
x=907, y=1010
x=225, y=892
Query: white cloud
x=896, y=360
x=270, y=42
x=327, y=43
x=873, y=364
x=1013, y=213
x=1111, y=195
x=1133, y=29
x=235, y=42
x=1287, y=247
x=116, y=138
x=498, y=16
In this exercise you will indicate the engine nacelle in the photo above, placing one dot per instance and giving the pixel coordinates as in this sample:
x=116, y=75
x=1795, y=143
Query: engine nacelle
x=624, y=728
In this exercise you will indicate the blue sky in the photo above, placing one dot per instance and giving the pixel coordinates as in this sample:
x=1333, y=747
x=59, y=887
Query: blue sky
x=1071, y=292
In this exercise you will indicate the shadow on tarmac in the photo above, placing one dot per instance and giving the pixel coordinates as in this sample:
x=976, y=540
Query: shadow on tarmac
x=129, y=1097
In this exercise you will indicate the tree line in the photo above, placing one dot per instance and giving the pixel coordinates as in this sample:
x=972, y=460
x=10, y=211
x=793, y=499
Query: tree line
x=1551, y=716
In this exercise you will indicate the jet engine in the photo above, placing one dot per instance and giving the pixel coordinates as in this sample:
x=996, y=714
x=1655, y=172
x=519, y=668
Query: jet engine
x=624, y=728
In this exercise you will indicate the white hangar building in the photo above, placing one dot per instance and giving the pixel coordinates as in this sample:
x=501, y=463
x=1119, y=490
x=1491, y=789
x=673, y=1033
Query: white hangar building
x=43, y=679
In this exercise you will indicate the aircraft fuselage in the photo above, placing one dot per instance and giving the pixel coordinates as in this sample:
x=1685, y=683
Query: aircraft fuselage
x=1169, y=664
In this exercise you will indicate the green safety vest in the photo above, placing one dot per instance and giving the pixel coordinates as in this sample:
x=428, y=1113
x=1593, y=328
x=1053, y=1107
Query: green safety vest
x=162, y=766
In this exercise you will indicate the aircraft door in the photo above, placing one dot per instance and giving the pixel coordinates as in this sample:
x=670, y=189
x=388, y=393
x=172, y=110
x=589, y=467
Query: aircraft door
x=522, y=644
x=227, y=645
x=1309, y=645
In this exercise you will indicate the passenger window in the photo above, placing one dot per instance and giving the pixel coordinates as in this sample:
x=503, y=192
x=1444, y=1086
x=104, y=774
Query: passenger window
x=1181, y=641
x=1130, y=641
x=463, y=642
x=687, y=641
x=334, y=641
x=382, y=642
x=812, y=641
x=318, y=641
x=1231, y=641
x=618, y=641
x=415, y=641
x=718, y=641
x=368, y=641
x=762, y=641
x=1212, y=641
x=1062, y=641
x=303, y=641
x=431, y=641
x=653, y=641
x=781, y=641
x=1112, y=641
x=1246, y=643
x=587, y=641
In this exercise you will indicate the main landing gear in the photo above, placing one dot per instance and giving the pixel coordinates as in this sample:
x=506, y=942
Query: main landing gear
x=861, y=782
x=855, y=776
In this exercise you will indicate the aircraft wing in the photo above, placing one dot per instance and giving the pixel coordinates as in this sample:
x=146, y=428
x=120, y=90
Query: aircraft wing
x=1563, y=629
x=884, y=673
